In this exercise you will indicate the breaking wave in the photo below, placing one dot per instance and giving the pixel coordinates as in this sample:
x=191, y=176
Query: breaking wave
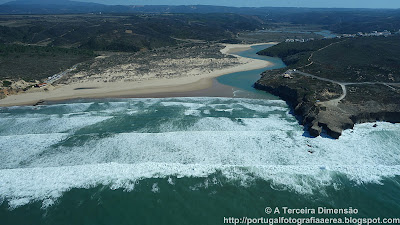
x=49, y=150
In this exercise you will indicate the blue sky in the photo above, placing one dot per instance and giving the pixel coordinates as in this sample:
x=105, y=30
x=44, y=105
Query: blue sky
x=259, y=3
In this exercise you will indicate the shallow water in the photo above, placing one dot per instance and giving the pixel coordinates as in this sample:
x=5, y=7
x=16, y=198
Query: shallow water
x=243, y=82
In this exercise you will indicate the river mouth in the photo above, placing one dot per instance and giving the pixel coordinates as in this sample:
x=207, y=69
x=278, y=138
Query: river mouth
x=242, y=82
x=232, y=85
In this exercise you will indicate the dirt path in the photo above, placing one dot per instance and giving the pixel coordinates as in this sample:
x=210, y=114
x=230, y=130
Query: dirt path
x=335, y=102
x=312, y=54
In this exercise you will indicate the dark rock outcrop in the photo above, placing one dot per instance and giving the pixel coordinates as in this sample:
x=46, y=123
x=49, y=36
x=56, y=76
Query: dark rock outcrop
x=365, y=117
x=40, y=102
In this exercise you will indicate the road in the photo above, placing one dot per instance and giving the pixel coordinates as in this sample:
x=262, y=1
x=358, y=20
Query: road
x=335, y=102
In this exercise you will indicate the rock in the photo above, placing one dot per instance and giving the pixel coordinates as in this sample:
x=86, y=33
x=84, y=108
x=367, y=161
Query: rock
x=40, y=102
x=315, y=130
x=334, y=132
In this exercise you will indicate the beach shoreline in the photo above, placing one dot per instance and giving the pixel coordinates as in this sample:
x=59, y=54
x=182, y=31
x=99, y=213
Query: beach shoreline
x=94, y=90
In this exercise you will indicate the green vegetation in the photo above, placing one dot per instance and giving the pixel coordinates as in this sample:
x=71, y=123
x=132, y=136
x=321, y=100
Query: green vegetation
x=373, y=92
x=36, y=63
x=360, y=60
x=6, y=50
x=265, y=36
x=7, y=83
x=122, y=33
x=364, y=59
x=367, y=68
x=336, y=20
x=296, y=54
x=308, y=89
x=37, y=46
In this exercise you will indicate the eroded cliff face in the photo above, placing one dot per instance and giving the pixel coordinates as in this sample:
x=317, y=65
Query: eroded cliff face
x=305, y=111
x=303, y=97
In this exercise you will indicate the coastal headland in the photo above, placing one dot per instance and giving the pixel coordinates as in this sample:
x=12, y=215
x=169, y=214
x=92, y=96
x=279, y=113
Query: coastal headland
x=333, y=84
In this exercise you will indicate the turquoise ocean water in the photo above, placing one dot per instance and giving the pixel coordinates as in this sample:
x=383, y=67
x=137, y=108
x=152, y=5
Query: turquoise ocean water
x=192, y=160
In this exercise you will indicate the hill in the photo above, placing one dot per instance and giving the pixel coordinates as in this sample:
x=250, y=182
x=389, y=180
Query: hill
x=121, y=32
x=364, y=59
x=336, y=20
x=47, y=2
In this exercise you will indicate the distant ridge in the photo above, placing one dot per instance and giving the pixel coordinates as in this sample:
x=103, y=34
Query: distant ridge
x=76, y=7
x=50, y=7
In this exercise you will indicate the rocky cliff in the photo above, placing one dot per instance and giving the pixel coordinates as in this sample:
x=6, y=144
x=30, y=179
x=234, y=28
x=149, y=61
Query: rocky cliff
x=306, y=98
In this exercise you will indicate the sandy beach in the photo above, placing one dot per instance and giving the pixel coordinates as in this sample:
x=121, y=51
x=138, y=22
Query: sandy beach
x=190, y=81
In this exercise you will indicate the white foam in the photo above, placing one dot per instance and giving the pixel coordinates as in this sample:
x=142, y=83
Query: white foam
x=21, y=186
x=17, y=149
x=229, y=104
x=184, y=104
x=264, y=108
x=224, y=110
x=67, y=107
x=270, y=148
x=155, y=188
x=171, y=181
x=273, y=122
x=45, y=124
x=192, y=112
x=75, y=107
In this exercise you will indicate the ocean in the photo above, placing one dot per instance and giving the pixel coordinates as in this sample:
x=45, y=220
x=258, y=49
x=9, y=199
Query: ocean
x=193, y=160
